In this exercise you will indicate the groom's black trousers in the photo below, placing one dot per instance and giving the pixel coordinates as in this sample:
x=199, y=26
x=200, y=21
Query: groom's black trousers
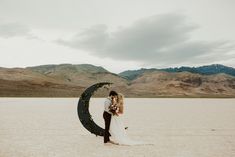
x=107, y=120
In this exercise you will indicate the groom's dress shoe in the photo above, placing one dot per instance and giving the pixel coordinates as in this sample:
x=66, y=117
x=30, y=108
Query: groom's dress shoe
x=113, y=142
x=108, y=144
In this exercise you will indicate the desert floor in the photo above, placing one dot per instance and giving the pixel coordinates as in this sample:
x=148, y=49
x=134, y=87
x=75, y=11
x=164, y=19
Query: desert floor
x=49, y=127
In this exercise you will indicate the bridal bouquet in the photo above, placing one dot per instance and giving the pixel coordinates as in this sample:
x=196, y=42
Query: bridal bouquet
x=113, y=107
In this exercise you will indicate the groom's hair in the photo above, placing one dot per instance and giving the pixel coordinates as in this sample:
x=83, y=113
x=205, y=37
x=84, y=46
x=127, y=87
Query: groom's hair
x=113, y=93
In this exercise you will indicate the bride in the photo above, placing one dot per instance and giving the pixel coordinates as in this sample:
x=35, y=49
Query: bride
x=117, y=129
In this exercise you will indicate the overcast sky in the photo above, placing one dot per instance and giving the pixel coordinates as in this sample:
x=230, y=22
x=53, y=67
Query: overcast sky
x=117, y=34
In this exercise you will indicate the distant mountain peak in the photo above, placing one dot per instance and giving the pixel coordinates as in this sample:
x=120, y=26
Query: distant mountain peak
x=204, y=70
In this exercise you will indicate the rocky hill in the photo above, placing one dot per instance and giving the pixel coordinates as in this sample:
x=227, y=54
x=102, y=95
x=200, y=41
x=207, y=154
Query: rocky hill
x=67, y=80
x=81, y=75
x=183, y=84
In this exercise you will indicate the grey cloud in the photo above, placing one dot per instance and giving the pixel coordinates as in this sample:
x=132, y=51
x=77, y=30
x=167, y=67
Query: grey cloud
x=159, y=39
x=93, y=39
x=8, y=30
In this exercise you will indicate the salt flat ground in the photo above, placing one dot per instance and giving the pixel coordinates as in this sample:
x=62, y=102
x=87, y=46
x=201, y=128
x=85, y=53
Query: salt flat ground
x=49, y=127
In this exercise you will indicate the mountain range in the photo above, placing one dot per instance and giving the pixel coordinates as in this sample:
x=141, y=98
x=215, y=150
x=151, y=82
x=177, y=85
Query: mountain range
x=68, y=80
x=204, y=70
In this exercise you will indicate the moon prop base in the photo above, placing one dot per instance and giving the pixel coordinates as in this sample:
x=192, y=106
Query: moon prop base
x=83, y=109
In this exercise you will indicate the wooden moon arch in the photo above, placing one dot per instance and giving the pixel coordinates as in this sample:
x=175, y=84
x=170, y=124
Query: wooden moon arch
x=83, y=109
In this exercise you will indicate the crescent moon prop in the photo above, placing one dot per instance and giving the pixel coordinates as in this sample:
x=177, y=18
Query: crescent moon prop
x=83, y=109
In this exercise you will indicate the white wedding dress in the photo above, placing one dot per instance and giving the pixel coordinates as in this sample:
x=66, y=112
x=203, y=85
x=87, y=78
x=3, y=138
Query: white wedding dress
x=119, y=134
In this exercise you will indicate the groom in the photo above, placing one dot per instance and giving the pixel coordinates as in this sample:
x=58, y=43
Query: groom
x=107, y=115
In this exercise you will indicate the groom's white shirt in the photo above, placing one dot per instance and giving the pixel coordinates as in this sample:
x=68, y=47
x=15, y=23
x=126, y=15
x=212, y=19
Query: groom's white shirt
x=107, y=103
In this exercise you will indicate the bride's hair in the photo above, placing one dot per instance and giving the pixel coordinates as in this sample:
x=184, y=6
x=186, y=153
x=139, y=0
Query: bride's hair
x=120, y=99
x=120, y=102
